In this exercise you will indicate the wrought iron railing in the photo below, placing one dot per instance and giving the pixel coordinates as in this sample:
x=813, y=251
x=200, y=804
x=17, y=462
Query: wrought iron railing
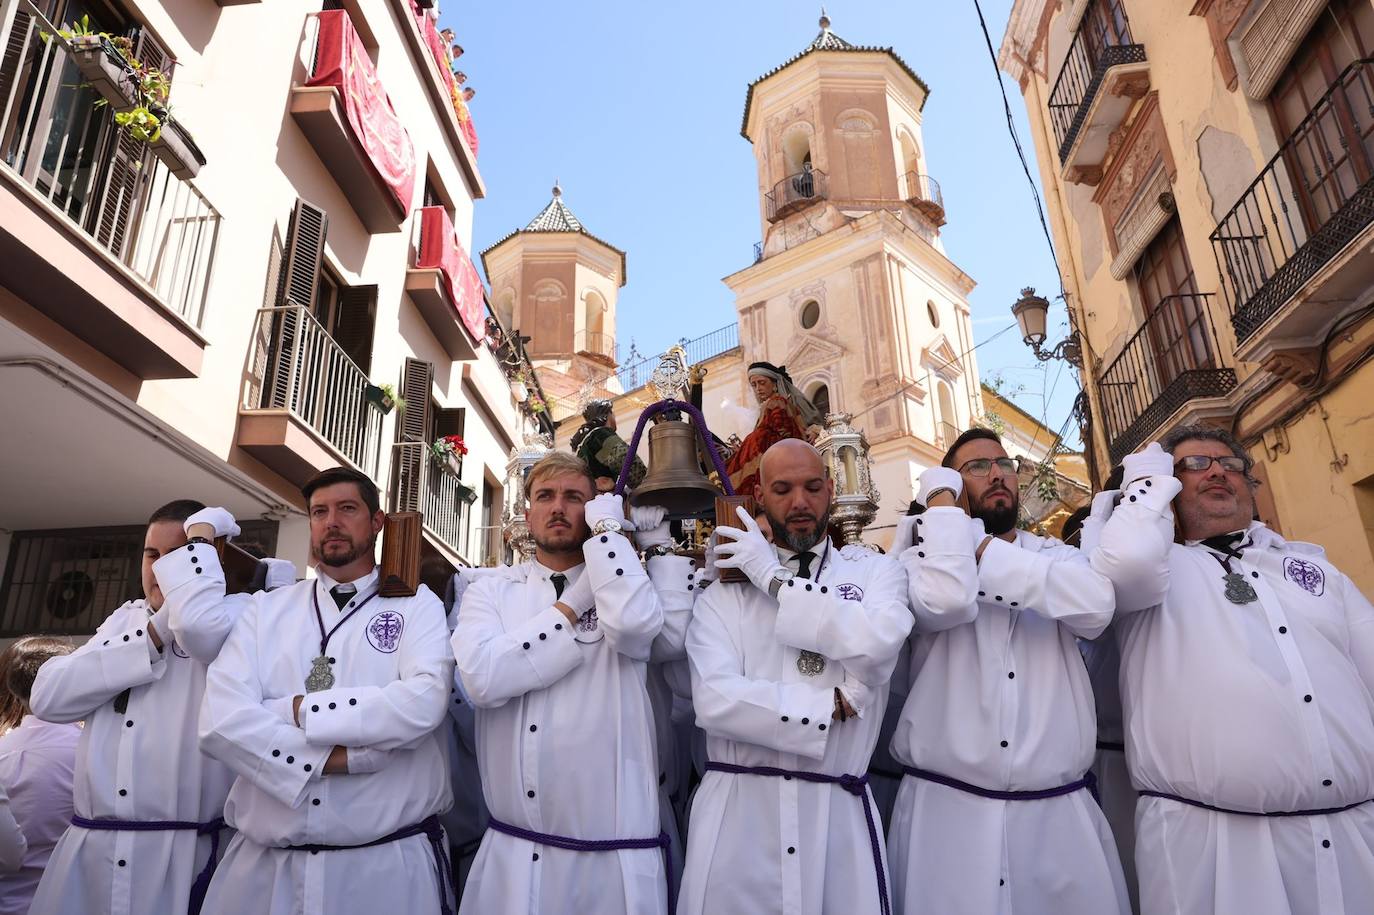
x=1173, y=358
x=493, y=546
x=1103, y=41
x=298, y=367
x=1311, y=200
x=758, y=251
x=718, y=341
x=795, y=192
x=923, y=192
x=421, y=485
x=113, y=189
x=595, y=343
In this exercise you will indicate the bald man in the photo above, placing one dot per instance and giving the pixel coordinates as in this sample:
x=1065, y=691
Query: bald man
x=790, y=676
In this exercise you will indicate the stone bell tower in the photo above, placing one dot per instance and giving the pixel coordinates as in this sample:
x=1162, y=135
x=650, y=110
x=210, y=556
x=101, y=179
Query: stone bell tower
x=557, y=284
x=850, y=287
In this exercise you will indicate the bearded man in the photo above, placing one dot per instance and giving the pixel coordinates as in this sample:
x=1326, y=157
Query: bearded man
x=995, y=812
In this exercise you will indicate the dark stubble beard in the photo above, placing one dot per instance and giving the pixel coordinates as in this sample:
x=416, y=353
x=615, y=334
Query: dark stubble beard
x=798, y=543
x=998, y=521
x=352, y=555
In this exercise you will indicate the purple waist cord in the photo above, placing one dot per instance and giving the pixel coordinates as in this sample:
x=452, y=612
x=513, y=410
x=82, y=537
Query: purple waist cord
x=1088, y=781
x=211, y=828
x=856, y=785
x=1315, y=812
x=539, y=838
x=430, y=828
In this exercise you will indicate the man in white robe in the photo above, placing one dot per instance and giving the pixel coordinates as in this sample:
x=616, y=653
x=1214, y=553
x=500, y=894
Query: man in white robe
x=554, y=660
x=1247, y=668
x=995, y=813
x=789, y=682
x=326, y=700
x=148, y=803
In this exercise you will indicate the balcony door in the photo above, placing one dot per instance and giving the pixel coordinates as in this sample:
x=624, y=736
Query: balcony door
x=1174, y=312
x=1104, y=26
x=1328, y=113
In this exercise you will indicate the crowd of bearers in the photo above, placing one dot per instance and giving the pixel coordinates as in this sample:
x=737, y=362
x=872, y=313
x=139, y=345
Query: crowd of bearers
x=292, y=751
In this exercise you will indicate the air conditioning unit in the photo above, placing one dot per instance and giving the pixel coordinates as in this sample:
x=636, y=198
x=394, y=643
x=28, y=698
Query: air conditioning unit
x=88, y=586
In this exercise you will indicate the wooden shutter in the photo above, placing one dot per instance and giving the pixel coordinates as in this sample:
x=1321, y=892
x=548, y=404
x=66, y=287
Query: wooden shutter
x=150, y=52
x=357, y=317
x=449, y=422
x=13, y=55
x=305, y=236
x=125, y=183
x=417, y=379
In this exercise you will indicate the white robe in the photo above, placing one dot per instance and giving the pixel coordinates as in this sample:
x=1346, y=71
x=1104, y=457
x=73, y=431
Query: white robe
x=393, y=674
x=142, y=763
x=565, y=733
x=766, y=844
x=1262, y=706
x=1000, y=699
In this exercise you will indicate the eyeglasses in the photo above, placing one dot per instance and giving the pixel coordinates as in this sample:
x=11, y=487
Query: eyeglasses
x=981, y=467
x=1200, y=462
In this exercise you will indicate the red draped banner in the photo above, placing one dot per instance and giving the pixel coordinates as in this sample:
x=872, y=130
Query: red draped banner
x=341, y=61
x=440, y=249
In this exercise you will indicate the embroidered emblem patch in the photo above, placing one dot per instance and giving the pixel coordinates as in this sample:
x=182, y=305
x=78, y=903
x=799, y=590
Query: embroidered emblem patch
x=384, y=630
x=1305, y=575
x=587, y=629
x=849, y=591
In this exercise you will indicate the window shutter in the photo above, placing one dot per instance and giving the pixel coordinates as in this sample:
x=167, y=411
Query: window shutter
x=304, y=253
x=14, y=51
x=357, y=318
x=417, y=379
x=125, y=183
x=150, y=52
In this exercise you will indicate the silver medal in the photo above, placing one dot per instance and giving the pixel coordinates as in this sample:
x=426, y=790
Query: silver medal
x=1238, y=590
x=810, y=664
x=320, y=676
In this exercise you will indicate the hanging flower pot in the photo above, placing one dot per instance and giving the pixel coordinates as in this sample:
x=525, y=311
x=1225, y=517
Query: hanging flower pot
x=519, y=390
x=382, y=396
x=105, y=70
x=464, y=495
x=454, y=464
x=175, y=147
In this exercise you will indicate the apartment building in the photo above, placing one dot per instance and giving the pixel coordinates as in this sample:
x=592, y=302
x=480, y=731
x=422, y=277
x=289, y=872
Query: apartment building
x=1208, y=168
x=220, y=308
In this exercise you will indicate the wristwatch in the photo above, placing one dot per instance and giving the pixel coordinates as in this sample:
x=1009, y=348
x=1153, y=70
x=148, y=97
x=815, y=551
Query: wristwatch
x=607, y=526
x=200, y=540
x=659, y=549
x=781, y=576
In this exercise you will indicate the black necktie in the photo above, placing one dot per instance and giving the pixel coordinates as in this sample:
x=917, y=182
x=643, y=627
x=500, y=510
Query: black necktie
x=804, y=561
x=560, y=581
x=341, y=596
x=1227, y=543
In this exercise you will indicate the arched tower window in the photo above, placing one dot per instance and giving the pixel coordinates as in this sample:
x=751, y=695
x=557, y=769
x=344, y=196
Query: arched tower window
x=598, y=339
x=796, y=150
x=948, y=418
x=820, y=398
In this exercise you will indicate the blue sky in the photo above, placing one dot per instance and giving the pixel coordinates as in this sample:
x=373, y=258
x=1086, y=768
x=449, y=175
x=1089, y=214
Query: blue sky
x=635, y=108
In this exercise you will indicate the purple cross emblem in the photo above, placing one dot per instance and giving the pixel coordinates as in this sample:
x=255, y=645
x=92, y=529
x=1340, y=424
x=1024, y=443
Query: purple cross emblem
x=850, y=591
x=1304, y=574
x=384, y=631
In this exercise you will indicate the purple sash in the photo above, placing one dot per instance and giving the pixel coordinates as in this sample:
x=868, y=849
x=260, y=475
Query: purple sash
x=429, y=827
x=1316, y=812
x=539, y=838
x=211, y=828
x=856, y=785
x=1088, y=781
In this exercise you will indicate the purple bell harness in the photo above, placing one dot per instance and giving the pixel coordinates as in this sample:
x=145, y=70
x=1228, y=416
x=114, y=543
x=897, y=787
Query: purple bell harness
x=211, y=828
x=856, y=785
x=540, y=838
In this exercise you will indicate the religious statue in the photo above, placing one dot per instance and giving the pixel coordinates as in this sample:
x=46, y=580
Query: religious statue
x=784, y=412
x=602, y=449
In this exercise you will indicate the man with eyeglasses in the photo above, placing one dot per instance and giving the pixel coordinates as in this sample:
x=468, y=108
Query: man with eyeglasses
x=1247, y=665
x=995, y=812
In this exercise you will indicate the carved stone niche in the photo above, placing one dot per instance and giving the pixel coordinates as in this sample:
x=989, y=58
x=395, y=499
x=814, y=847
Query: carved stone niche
x=1142, y=147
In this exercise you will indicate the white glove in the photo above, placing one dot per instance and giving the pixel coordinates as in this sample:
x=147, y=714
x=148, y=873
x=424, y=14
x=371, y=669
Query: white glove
x=1154, y=461
x=936, y=478
x=651, y=526
x=578, y=595
x=708, y=572
x=606, y=507
x=905, y=536
x=280, y=573
x=748, y=551
x=365, y=760
x=218, y=518
x=1103, y=504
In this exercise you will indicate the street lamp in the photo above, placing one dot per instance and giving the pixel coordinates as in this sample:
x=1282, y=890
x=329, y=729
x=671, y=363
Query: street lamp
x=1032, y=313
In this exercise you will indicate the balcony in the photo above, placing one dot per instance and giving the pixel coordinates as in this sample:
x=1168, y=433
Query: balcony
x=305, y=406
x=595, y=344
x=96, y=229
x=796, y=192
x=1104, y=73
x=345, y=114
x=1171, y=361
x=1299, y=237
x=420, y=485
x=923, y=192
x=445, y=286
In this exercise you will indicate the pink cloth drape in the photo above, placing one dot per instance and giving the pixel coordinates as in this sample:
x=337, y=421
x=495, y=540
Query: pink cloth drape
x=440, y=249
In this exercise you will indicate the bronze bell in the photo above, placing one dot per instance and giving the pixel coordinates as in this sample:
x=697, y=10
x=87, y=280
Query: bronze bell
x=674, y=479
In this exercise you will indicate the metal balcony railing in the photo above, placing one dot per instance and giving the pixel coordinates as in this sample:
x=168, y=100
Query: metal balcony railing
x=1103, y=41
x=421, y=485
x=718, y=341
x=493, y=551
x=796, y=192
x=923, y=192
x=758, y=251
x=110, y=187
x=301, y=369
x=595, y=343
x=1173, y=358
x=1312, y=199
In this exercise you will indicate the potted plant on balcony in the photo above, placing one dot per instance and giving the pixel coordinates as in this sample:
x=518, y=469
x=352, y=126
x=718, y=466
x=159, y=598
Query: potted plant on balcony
x=463, y=495
x=448, y=453
x=174, y=146
x=383, y=397
x=536, y=404
x=518, y=388
x=103, y=63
